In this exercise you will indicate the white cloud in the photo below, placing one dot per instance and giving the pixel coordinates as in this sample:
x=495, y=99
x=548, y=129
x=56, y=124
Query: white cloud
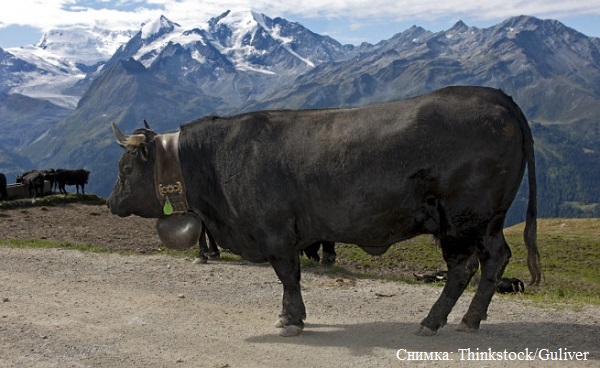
x=45, y=14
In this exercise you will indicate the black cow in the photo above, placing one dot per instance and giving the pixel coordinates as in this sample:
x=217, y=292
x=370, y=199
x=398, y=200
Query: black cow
x=50, y=175
x=3, y=192
x=33, y=181
x=329, y=255
x=77, y=177
x=268, y=184
x=510, y=285
x=34, y=184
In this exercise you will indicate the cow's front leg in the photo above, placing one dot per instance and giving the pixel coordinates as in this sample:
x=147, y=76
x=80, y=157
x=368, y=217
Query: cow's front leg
x=293, y=312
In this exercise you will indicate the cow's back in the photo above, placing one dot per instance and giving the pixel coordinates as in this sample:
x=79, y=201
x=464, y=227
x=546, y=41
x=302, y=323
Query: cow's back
x=72, y=177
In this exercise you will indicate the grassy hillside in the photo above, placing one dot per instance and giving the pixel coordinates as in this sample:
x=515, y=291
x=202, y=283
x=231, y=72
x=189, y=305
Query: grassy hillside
x=570, y=251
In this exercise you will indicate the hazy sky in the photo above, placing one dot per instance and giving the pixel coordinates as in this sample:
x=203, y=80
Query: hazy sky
x=22, y=22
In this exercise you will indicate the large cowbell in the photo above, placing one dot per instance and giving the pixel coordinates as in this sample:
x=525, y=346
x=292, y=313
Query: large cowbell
x=179, y=230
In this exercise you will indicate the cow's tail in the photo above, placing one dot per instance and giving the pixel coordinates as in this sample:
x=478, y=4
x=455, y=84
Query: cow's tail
x=530, y=232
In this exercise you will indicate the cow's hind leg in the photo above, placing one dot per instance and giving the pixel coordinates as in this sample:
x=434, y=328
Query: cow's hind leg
x=213, y=249
x=493, y=257
x=329, y=254
x=293, y=312
x=202, y=256
x=459, y=254
x=312, y=251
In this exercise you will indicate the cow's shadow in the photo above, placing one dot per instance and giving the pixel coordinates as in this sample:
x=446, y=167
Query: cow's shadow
x=363, y=338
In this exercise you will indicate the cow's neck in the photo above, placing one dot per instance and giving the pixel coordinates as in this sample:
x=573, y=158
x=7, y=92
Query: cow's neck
x=168, y=178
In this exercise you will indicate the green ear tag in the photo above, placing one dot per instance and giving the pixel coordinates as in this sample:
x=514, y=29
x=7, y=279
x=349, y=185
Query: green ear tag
x=168, y=208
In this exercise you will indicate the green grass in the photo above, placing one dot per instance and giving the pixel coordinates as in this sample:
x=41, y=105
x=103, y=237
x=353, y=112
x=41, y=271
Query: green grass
x=570, y=255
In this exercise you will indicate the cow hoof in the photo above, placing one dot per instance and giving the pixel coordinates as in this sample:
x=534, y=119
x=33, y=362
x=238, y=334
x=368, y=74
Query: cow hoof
x=199, y=260
x=280, y=323
x=463, y=327
x=291, y=330
x=425, y=331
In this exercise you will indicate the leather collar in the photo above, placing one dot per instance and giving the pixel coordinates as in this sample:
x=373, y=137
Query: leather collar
x=168, y=178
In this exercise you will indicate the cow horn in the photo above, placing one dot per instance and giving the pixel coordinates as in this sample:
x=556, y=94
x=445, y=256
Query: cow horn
x=121, y=138
x=128, y=140
x=146, y=125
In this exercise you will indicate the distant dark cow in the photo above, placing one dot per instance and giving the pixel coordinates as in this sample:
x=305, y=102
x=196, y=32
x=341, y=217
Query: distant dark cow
x=268, y=184
x=50, y=175
x=329, y=256
x=510, y=286
x=72, y=177
x=3, y=192
x=33, y=181
x=37, y=186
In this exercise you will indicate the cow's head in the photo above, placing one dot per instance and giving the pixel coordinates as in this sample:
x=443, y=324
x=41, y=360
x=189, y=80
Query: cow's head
x=87, y=175
x=134, y=191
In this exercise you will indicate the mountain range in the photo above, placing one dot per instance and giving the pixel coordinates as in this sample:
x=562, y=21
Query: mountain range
x=57, y=98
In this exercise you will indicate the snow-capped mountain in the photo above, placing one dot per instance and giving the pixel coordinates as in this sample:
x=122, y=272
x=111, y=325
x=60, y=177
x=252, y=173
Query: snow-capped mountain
x=237, y=57
x=162, y=39
x=237, y=49
x=84, y=47
x=255, y=42
x=61, y=59
x=241, y=54
x=250, y=41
